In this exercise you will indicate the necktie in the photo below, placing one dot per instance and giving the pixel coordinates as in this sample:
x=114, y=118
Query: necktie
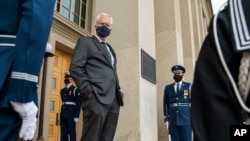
x=177, y=88
x=104, y=45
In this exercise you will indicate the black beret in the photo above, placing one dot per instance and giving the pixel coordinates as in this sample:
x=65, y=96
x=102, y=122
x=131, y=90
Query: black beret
x=178, y=68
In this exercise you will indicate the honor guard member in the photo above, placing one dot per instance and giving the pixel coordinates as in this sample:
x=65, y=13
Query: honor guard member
x=70, y=109
x=220, y=91
x=176, y=105
x=24, y=31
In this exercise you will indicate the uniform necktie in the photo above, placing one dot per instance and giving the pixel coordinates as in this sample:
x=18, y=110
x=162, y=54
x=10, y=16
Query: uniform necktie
x=104, y=45
x=177, y=88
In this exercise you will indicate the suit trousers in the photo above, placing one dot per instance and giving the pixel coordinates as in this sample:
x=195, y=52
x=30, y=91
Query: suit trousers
x=99, y=120
x=10, y=122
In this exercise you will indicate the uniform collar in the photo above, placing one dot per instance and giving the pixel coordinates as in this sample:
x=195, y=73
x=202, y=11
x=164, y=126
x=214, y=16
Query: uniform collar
x=180, y=83
x=68, y=86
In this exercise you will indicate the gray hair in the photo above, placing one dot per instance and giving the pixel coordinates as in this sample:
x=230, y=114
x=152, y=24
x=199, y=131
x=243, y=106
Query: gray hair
x=104, y=14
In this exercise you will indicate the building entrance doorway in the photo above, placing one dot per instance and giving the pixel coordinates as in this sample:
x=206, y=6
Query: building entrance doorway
x=61, y=65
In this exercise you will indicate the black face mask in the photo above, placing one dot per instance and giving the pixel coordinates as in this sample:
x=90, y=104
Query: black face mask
x=103, y=31
x=66, y=81
x=177, y=78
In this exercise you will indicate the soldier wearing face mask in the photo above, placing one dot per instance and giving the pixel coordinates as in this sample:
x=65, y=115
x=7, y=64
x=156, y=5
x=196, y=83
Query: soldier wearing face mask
x=176, y=105
x=70, y=110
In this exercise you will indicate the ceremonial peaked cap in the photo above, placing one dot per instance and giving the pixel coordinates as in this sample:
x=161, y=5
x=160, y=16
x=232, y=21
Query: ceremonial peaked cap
x=178, y=68
x=67, y=75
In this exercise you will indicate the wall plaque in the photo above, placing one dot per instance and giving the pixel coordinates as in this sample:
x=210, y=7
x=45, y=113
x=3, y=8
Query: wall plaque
x=148, y=67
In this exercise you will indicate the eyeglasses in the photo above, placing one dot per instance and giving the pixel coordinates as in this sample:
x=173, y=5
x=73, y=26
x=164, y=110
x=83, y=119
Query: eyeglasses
x=105, y=24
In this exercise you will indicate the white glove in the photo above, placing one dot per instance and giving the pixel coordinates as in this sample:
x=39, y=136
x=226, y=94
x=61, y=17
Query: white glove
x=167, y=125
x=27, y=112
x=76, y=119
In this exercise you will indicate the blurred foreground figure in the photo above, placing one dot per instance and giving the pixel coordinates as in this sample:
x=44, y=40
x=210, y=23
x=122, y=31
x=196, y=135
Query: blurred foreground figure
x=220, y=92
x=24, y=31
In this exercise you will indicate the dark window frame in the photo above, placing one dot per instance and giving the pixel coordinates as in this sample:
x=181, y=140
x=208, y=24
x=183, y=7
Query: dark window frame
x=77, y=11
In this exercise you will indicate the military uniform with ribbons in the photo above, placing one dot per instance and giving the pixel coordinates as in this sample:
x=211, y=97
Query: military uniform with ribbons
x=70, y=110
x=176, y=104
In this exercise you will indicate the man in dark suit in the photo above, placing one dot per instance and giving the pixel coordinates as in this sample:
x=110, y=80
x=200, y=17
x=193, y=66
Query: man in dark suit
x=176, y=105
x=70, y=110
x=220, y=92
x=24, y=31
x=93, y=68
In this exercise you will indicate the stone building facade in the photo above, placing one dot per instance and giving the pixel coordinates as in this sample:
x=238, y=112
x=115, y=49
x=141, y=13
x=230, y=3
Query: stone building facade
x=149, y=37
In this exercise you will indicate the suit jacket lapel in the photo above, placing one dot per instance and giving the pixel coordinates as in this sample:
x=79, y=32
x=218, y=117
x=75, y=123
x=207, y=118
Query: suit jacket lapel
x=113, y=53
x=100, y=47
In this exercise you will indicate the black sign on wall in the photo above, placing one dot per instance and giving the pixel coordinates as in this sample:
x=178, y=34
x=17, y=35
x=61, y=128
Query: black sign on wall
x=148, y=67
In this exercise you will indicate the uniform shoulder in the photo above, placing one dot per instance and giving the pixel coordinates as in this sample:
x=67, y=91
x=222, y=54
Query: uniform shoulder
x=169, y=85
x=186, y=82
x=63, y=89
x=72, y=87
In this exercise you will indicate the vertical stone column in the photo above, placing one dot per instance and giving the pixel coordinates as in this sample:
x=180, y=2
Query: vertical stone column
x=187, y=37
x=148, y=93
x=133, y=31
x=196, y=26
x=169, y=51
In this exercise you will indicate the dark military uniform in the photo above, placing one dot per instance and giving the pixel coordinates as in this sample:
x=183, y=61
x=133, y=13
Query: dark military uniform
x=24, y=31
x=176, y=105
x=70, y=110
x=215, y=105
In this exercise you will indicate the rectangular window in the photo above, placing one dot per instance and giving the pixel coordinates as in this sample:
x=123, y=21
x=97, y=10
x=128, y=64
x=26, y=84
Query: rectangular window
x=65, y=8
x=76, y=11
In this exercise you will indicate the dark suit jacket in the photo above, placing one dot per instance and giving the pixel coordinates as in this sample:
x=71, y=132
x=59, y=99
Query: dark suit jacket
x=92, y=71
